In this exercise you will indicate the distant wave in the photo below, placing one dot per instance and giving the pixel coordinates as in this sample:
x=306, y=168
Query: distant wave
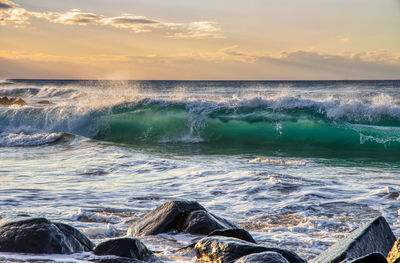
x=274, y=124
x=43, y=92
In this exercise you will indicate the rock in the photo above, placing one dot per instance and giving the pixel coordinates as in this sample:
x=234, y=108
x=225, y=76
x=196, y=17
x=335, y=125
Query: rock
x=183, y=216
x=394, y=253
x=124, y=247
x=234, y=232
x=115, y=260
x=265, y=257
x=203, y=222
x=375, y=236
x=12, y=101
x=77, y=235
x=371, y=258
x=226, y=249
x=40, y=236
x=44, y=102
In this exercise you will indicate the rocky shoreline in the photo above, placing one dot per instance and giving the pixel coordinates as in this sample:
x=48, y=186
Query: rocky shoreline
x=219, y=240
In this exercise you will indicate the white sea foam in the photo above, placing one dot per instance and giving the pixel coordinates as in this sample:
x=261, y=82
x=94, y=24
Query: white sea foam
x=101, y=231
x=92, y=216
x=277, y=161
x=22, y=139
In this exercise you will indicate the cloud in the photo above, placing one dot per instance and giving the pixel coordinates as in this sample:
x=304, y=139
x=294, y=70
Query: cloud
x=75, y=17
x=11, y=13
x=198, y=30
x=4, y=4
x=227, y=63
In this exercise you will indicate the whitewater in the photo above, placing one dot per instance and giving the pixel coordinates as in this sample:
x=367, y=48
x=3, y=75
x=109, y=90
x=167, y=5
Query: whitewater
x=299, y=164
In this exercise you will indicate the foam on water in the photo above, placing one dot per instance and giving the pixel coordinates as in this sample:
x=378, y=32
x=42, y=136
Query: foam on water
x=237, y=148
x=22, y=139
x=277, y=161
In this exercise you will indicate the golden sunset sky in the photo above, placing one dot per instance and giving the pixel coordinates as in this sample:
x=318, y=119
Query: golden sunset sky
x=208, y=39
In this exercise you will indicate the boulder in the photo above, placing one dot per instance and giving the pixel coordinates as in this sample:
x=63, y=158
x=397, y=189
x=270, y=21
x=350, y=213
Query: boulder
x=394, y=254
x=40, y=236
x=373, y=237
x=11, y=101
x=203, y=222
x=124, y=247
x=226, y=249
x=371, y=258
x=115, y=260
x=234, y=232
x=183, y=216
x=264, y=257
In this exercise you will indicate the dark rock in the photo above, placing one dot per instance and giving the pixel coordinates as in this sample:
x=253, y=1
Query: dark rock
x=183, y=216
x=124, y=247
x=371, y=258
x=44, y=102
x=288, y=255
x=115, y=260
x=264, y=257
x=225, y=249
x=234, y=232
x=375, y=236
x=203, y=222
x=77, y=235
x=39, y=235
x=12, y=101
x=394, y=254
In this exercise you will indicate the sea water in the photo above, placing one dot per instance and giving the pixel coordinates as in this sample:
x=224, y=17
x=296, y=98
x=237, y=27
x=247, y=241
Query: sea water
x=297, y=163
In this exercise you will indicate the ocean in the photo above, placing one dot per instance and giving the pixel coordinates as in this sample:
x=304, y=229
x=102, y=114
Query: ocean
x=299, y=164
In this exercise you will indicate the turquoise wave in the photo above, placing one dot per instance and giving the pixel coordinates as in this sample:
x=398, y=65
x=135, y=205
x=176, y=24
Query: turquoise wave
x=247, y=128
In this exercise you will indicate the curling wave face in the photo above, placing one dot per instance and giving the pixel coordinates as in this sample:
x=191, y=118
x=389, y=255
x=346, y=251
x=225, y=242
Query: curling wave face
x=271, y=122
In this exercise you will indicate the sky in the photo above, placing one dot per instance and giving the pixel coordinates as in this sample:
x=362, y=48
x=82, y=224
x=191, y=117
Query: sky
x=200, y=40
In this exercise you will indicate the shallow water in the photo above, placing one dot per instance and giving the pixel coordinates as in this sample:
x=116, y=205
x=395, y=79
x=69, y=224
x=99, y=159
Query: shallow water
x=298, y=164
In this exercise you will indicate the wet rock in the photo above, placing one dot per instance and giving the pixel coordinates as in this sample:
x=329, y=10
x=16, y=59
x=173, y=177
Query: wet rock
x=371, y=258
x=394, y=253
x=183, y=216
x=40, y=236
x=203, y=222
x=115, y=260
x=12, y=101
x=265, y=257
x=124, y=247
x=44, y=102
x=234, y=232
x=226, y=249
x=375, y=236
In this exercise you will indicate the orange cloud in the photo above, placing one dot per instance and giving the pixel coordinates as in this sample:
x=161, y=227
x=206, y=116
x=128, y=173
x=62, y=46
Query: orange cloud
x=11, y=13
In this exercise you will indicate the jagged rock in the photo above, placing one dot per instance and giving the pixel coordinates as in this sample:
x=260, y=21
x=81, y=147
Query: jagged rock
x=394, y=253
x=225, y=249
x=40, y=236
x=124, y=247
x=265, y=257
x=12, y=101
x=372, y=237
x=234, y=232
x=183, y=216
x=371, y=258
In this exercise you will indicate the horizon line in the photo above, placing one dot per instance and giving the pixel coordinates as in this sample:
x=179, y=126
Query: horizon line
x=195, y=80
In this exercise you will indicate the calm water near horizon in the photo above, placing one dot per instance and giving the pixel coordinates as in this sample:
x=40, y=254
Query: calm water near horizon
x=297, y=163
